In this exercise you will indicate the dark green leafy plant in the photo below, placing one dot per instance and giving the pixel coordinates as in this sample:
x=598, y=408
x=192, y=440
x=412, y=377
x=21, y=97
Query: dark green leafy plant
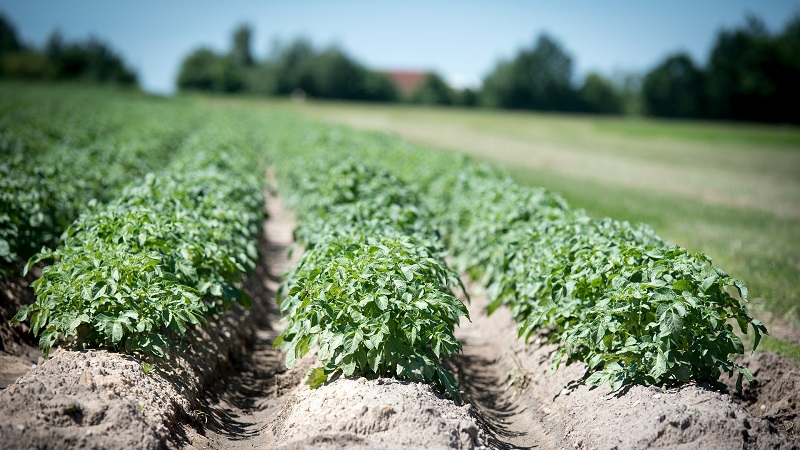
x=60, y=152
x=375, y=306
x=611, y=294
x=162, y=256
x=371, y=290
x=616, y=297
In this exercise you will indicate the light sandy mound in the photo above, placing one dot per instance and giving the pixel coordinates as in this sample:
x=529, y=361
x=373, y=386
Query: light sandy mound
x=375, y=414
x=94, y=399
x=101, y=399
x=554, y=411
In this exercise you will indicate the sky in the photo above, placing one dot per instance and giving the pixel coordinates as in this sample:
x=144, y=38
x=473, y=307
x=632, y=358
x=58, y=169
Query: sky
x=462, y=40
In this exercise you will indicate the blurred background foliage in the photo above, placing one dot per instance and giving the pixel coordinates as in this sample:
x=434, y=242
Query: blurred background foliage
x=91, y=61
x=750, y=75
x=296, y=67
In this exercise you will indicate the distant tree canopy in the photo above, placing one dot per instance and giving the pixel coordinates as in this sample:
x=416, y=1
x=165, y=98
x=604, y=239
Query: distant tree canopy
x=675, y=88
x=751, y=75
x=204, y=70
x=9, y=42
x=90, y=61
x=538, y=78
x=296, y=67
x=599, y=95
x=433, y=90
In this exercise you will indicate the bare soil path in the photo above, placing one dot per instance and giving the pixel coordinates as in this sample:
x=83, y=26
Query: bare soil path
x=238, y=408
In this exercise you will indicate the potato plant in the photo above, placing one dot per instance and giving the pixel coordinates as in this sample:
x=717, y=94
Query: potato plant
x=375, y=305
x=59, y=154
x=613, y=295
x=371, y=290
x=166, y=253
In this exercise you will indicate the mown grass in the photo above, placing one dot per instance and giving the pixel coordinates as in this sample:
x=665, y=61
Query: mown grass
x=781, y=347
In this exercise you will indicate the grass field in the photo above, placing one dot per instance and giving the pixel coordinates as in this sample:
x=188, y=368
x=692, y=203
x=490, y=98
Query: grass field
x=731, y=191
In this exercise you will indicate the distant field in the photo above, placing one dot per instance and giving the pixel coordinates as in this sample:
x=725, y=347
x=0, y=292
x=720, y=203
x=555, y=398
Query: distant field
x=731, y=191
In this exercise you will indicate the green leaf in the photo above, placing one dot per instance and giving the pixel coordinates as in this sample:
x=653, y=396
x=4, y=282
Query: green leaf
x=742, y=288
x=316, y=377
x=116, y=332
x=659, y=367
x=348, y=366
x=39, y=320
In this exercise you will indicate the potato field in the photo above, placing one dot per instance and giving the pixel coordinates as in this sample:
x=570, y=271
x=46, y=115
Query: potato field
x=209, y=273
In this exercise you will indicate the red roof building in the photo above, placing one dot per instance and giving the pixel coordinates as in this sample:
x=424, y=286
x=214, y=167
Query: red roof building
x=405, y=80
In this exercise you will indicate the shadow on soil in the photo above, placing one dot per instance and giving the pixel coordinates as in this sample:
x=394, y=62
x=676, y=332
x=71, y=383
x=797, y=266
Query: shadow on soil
x=493, y=404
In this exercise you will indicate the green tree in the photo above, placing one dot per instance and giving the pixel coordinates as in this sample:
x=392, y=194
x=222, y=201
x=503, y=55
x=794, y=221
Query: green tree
x=291, y=67
x=334, y=75
x=537, y=78
x=600, y=96
x=327, y=74
x=433, y=90
x=745, y=73
x=9, y=42
x=241, y=53
x=204, y=70
x=788, y=44
x=379, y=87
x=674, y=88
x=466, y=97
x=197, y=71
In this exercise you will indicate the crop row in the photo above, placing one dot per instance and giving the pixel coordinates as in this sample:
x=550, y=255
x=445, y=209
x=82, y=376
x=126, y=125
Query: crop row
x=634, y=308
x=164, y=254
x=58, y=155
x=371, y=289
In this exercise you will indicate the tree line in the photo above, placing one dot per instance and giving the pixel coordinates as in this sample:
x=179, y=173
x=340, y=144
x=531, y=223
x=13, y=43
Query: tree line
x=750, y=75
x=91, y=61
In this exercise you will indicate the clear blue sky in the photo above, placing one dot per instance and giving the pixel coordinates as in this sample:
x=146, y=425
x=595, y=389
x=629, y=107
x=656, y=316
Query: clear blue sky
x=461, y=40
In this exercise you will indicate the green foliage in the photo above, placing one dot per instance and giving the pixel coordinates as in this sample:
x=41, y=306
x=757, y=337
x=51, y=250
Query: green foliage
x=376, y=305
x=633, y=308
x=160, y=257
x=750, y=76
x=675, y=88
x=474, y=236
x=59, y=153
x=371, y=289
x=296, y=67
x=433, y=90
x=241, y=53
x=352, y=196
x=613, y=295
x=600, y=96
x=538, y=78
x=204, y=70
x=9, y=42
x=92, y=61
